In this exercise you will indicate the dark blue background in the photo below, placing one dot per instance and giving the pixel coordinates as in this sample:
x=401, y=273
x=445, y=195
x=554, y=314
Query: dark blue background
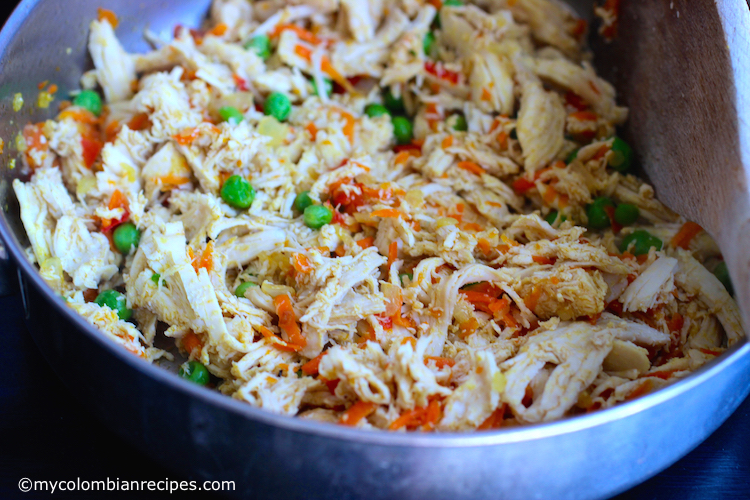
x=47, y=434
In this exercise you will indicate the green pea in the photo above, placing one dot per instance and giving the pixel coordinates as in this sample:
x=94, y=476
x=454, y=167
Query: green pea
x=278, y=105
x=115, y=301
x=261, y=45
x=452, y=3
x=317, y=216
x=406, y=275
x=327, y=84
x=373, y=110
x=639, y=242
x=90, y=100
x=155, y=278
x=597, y=215
x=428, y=42
x=299, y=373
x=231, y=114
x=458, y=123
x=572, y=156
x=721, y=272
x=402, y=129
x=195, y=372
x=394, y=104
x=302, y=201
x=126, y=237
x=240, y=290
x=622, y=155
x=554, y=216
x=627, y=214
x=237, y=192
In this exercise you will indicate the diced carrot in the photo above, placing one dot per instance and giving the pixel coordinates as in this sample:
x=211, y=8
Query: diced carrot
x=484, y=246
x=477, y=297
x=340, y=251
x=170, y=180
x=685, y=235
x=468, y=327
x=486, y=95
x=312, y=129
x=288, y=321
x=386, y=212
x=473, y=226
x=447, y=142
x=432, y=414
x=365, y=242
x=277, y=342
x=401, y=158
x=440, y=362
x=549, y=194
x=192, y=343
x=52, y=89
x=42, y=84
x=187, y=136
x=499, y=305
x=107, y=15
x=140, y=121
x=302, y=33
x=710, y=352
x=331, y=384
x=522, y=184
x=218, y=30
x=495, y=420
x=532, y=299
x=539, y=259
x=301, y=263
x=392, y=253
x=80, y=115
x=311, y=367
x=664, y=375
x=406, y=419
x=584, y=116
x=502, y=139
x=91, y=149
x=356, y=412
x=439, y=71
x=471, y=167
x=642, y=389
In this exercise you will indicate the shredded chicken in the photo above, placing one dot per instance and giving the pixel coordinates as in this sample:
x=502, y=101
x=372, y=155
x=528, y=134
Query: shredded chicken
x=457, y=263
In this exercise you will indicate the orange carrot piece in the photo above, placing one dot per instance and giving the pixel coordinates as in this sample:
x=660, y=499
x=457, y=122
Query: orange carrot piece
x=584, y=116
x=218, y=30
x=107, y=15
x=440, y=361
x=401, y=158
x=685, y=235
x=311, y=367
x=365, y=242
x=533, y=298
x=447, y=142
x=642, y=389
x=392, y=253
x=302, y=33
x=191, y=342
x=301, y=263
x=356, y=412
x=542, y=260
x=486, y=95
x=288, y=321
x=386, y=212
x=277, y=342
x=310, y=127
x=471, y=167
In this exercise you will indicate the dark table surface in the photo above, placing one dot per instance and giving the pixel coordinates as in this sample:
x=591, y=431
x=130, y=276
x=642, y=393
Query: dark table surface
x=46, y=434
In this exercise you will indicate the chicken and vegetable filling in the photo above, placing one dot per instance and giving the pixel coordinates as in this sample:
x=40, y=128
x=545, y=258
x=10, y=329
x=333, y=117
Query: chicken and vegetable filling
x=388, y=214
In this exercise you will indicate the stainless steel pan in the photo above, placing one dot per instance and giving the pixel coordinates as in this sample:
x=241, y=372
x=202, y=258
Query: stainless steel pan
x=680, y=66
